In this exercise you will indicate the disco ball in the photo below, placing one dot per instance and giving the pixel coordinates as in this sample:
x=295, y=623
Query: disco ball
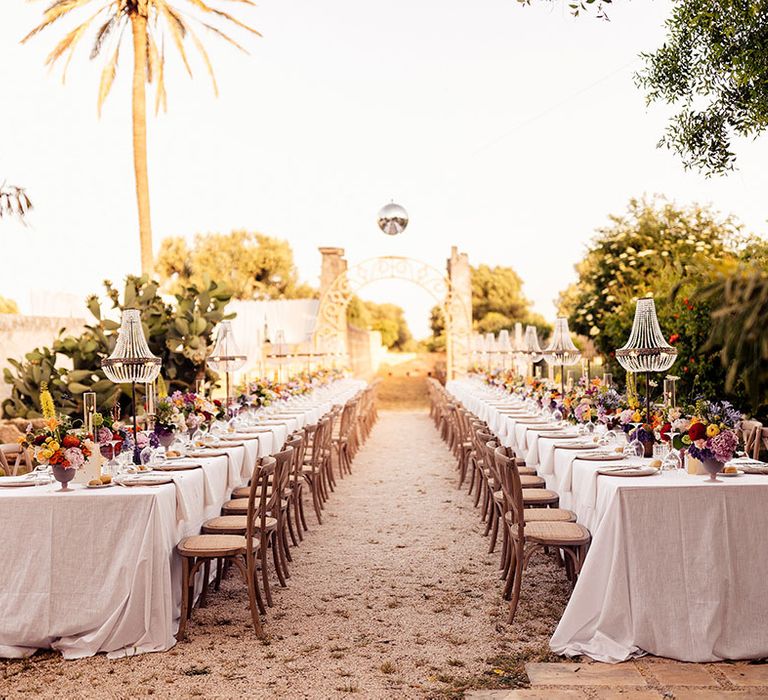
x=392, y=219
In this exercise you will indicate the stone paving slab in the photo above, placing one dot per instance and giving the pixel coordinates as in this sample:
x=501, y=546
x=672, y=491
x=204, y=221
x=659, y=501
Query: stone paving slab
x=718, y=694
x=590, y=674
x=526, y=694
x=745, y=674
x=674, y=673
x=626, y=694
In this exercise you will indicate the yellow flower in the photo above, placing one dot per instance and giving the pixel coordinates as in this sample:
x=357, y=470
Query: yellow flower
x=45, y=454
x=53, y=445
x=636, y=417
x=712, y=430
x=46, y=401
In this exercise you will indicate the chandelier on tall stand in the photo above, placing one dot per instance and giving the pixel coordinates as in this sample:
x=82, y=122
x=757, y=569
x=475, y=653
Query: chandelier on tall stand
x=646, y=350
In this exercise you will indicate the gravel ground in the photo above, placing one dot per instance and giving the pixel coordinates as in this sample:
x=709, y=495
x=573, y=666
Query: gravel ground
x=394, y=596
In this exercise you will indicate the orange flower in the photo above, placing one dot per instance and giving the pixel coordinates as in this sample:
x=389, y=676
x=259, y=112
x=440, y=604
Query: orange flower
x=70, y=441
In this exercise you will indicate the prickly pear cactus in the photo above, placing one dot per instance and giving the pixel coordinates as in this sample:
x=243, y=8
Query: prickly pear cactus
x=179, y=331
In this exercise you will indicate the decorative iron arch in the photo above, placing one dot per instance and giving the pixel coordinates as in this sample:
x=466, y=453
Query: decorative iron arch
x=331, y=327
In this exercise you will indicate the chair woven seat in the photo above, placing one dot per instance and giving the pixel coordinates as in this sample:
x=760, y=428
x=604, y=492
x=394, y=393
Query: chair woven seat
x=556, y=533
x=545, y=514
x=243, y=491
x=529, y=481
x=527, y=471
x=539, y=496
x=208, y=545
x=232, y=524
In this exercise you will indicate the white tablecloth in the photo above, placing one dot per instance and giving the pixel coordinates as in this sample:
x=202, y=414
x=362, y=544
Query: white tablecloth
x=96, y=570
x=677, y=567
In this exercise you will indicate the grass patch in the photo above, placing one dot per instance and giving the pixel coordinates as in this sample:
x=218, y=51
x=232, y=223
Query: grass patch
x=197, y=671
x=388, y=667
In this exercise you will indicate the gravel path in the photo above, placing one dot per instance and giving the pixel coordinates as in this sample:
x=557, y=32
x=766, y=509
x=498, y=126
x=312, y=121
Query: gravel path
x=394, y=596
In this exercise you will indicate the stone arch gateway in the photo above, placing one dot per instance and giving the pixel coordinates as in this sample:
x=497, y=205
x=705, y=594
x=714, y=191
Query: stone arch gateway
x=453, y=291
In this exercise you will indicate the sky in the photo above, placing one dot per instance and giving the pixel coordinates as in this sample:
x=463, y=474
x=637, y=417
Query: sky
x=511, y=132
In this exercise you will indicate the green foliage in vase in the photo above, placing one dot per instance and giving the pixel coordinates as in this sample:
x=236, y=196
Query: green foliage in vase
x=669, y=252
x=180, y=332
x=252, y=265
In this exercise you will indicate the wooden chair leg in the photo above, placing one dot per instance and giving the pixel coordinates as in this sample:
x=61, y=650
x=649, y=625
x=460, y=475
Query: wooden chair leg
x=302, y=517
x=251, y=584
x=289, y=521
x=516, y=585
x=181, y=634
x=264, y=572
x=275, y=541
x=494, y=530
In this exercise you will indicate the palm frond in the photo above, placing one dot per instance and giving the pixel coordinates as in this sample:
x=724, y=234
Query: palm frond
x=156, y=67
x=178, y=30
x=103, y=34
x=54, y=12
x=206, y=59
x=236, y=21
x=218, y=31
x=108, y=77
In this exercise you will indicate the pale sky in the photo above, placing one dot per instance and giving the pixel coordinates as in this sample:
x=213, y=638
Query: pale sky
x=510, y=132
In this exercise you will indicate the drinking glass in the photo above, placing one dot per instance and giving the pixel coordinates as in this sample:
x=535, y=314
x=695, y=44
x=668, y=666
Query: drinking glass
x=635, y=447
x=672, y=460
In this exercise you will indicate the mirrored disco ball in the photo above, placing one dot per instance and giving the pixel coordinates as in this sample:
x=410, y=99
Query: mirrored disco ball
x=392, y=219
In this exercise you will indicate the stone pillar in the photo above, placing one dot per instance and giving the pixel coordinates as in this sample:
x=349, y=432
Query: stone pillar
x=334, y=264
x=459, y=325
x=331, y=324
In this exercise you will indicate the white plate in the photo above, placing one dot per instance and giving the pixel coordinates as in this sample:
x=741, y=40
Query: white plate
x=738, y=472
x=99, y=486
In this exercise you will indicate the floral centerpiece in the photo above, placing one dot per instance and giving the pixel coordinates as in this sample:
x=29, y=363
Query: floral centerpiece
x=57, y=444
x=712, y=434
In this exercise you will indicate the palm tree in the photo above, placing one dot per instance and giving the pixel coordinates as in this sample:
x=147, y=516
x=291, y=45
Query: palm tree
x=14, y=201
x=147, y=20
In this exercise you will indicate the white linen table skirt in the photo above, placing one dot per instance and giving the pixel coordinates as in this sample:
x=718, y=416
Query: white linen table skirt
x=677, y=568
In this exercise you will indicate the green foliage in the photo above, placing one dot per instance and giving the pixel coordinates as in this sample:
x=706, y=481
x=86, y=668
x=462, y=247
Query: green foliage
x=388, y=319
x=668, y=252
x=578, y=6
x=252, y=265
x=179, y=332
x=739, y=322
x=714, y=68
x=8, y=306
x=498, y=301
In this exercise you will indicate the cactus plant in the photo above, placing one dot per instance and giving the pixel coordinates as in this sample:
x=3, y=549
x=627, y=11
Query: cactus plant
x=180, y=332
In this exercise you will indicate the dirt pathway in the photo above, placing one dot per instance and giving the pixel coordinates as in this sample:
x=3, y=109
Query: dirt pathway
x=393, y=596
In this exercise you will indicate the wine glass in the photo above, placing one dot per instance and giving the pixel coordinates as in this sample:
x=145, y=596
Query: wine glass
x=113, y=466
x=635, y=448
x=672, y=460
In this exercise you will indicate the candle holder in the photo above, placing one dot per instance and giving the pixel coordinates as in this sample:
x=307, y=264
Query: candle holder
x=607, y=379
x=561, y=352
x=226, y=355
x=505, y=347
x=670, y=391
x=646, y=350
x=130, y=362
x=89, y=408
x=150, y=404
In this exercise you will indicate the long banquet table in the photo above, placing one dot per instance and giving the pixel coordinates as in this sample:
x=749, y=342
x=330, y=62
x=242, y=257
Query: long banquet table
x=96, y=570
x=677, y=567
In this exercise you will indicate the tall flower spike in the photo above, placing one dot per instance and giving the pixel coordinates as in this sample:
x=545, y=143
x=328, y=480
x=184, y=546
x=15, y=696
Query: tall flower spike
x=46, y=401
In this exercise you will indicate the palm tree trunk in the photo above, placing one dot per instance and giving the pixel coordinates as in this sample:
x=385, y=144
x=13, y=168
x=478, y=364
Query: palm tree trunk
x=139, y=27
